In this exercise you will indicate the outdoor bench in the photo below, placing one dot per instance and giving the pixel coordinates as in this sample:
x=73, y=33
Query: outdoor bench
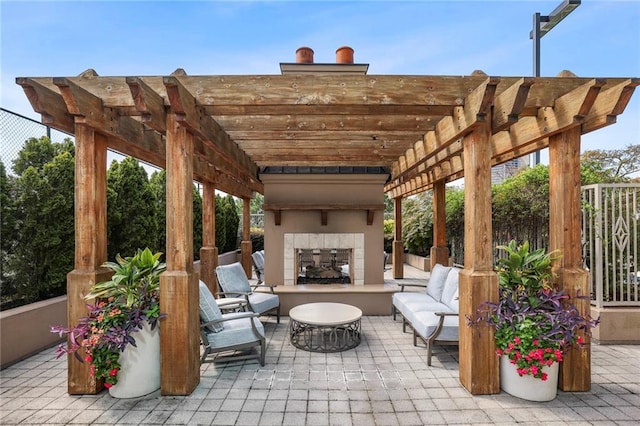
x=432, y=314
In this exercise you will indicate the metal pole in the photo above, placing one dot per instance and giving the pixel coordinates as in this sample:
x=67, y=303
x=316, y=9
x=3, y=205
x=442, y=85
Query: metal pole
x=536, y=64
x=536, y=44
x=549, y=21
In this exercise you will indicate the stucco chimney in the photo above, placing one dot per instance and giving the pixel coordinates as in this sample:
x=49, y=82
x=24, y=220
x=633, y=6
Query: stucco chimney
x=344, y=55
x=304, y=55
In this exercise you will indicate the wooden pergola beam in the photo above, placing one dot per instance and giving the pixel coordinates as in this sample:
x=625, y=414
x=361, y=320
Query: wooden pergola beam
x=189, y=114
x=450, y=129
x=531, y=134
x=510, y=104
x=48, y=104
x=148, y=103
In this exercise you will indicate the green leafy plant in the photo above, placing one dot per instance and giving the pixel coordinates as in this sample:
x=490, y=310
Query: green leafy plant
x=125, y=302
x=535, y=323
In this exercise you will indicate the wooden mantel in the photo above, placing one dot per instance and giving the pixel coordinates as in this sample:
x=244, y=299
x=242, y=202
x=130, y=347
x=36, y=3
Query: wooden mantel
x=323, y=209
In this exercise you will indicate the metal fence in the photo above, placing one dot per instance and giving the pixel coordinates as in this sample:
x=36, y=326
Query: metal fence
x=610, y=242
x=16, y=129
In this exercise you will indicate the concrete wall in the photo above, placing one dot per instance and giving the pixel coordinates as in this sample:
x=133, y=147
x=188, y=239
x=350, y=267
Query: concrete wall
x=323, y=189
x=617, y=325
x=420, y=262
x=25, y=331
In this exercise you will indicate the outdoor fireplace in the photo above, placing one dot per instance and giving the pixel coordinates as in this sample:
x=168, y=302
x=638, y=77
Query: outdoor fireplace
x=323, y=266
x=323, y=258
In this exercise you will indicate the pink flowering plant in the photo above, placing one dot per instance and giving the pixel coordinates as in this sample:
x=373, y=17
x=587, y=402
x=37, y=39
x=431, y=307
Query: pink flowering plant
x=535, y=323
x=123, y=305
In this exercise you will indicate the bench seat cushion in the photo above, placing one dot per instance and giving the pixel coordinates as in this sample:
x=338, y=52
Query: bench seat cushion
x=425, y=323
x=412, y=309
x=401, y=299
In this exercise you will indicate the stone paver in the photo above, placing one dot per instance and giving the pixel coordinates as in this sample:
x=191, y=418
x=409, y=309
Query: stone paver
x=384, y=381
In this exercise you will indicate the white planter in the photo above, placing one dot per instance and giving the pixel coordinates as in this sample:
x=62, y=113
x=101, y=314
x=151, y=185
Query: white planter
x=528, y=387
x=139, y=374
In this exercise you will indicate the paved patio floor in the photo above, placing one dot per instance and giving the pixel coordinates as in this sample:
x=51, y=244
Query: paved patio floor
x=384, y=381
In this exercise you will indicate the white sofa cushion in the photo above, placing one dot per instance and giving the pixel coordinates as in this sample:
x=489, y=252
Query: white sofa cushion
x=425, y=323
x=436, y=281
x=413, y=309
x=401, y=300
x=450, y=290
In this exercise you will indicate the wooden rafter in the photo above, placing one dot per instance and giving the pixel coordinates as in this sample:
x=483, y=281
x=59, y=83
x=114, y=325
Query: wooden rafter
x=413, y=125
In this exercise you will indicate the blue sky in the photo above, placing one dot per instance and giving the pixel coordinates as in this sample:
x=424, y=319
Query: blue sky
x=126, y=38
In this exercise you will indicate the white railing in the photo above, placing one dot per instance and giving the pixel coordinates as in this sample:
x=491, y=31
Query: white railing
x=610, y=243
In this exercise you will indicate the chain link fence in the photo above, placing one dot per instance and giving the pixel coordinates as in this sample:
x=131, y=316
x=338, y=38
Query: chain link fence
x=15, y=129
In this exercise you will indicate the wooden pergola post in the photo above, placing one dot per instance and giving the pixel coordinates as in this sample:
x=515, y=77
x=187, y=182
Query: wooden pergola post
x=91, y=242
x=398, y=246
x=246, y=237
x=565, y=235
x=479, y=372
x=209, y=251
x=439, y=250
x=179, y=334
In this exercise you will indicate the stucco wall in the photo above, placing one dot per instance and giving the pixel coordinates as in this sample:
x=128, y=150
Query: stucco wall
x=25, y=330
x=323, y=189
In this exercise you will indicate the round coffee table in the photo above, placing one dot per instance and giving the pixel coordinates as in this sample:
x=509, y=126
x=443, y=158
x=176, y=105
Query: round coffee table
x=325, y=327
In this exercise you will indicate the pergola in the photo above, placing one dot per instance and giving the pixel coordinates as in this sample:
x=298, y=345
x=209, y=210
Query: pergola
x=429, y=130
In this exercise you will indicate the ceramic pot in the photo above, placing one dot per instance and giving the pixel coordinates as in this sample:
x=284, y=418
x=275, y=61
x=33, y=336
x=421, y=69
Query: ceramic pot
x=139, y=374
x=528, y=387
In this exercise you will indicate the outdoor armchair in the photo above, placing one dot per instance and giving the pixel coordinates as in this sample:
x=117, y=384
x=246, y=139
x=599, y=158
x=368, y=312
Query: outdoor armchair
x=234, y=283
x=228, y=336
x=258, y=264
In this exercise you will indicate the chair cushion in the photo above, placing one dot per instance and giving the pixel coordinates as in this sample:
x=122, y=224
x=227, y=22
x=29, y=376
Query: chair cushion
x=263, y=302
x=450, y=289
x=209, y=309
x=233, y=279
x=436, y=281
x=236, y=332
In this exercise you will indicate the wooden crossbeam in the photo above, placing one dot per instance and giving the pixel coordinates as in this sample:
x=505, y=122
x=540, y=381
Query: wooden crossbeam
x=531, y=134
x=48, y=104
x=450, y=129
x=126, y=135
x=149, y=103
x=298, y=123
x=510, y=104
x=611, y=103
x=188, y=113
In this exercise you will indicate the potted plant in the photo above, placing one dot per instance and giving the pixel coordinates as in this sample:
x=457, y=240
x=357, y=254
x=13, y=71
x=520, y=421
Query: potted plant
x=120, y=337
x=535, y=323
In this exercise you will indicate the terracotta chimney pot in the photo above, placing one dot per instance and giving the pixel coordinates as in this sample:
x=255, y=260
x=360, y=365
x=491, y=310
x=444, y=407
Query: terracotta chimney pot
x=304, y=55
x=344, y=55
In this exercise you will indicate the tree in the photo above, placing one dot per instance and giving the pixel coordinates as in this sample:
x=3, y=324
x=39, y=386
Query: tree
x=44, y=237
x=255, y=205
x=197, y=223
x=8, y=227
x=417, y=223
x=131, y=209
x=614, y=165
x=158, y=184
x=221, y=235
x=231, y=223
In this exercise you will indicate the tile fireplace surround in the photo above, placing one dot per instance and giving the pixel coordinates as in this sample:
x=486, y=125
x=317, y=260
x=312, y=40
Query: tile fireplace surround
x=295, y=241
